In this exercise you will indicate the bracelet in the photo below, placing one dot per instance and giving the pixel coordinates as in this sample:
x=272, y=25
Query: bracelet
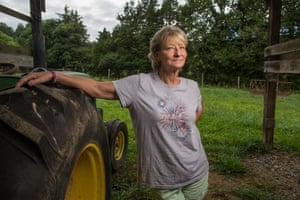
x=53, y=78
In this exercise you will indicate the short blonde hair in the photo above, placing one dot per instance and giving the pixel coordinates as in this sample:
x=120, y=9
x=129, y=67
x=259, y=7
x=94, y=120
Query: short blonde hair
x=159, y=38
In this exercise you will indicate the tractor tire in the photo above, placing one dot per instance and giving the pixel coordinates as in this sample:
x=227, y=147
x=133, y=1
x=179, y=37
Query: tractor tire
x=53, y=145
x=118, y=139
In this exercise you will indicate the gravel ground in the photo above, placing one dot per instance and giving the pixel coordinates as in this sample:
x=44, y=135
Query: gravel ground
x=276, y=171
x=280, y=168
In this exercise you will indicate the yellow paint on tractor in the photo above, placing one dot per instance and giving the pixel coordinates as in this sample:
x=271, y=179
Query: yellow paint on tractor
x=119, y=145
x=88, y=176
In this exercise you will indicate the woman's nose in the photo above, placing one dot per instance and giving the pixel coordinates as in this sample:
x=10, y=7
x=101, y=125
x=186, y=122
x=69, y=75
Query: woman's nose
x=176, y=51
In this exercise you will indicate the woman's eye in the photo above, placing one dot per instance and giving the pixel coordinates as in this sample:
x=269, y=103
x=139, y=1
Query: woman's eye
x=170, y=48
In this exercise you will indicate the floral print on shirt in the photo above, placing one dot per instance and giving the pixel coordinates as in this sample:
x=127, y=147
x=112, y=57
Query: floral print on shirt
x=173, y=117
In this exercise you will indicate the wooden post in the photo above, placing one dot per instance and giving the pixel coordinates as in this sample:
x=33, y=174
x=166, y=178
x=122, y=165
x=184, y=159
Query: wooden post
x=38, y=40
x=271, y=78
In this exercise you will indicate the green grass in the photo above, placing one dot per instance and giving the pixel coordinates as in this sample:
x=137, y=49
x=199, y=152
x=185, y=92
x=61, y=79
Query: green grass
x=253, y=194
x=263, y=191
x=230, y=127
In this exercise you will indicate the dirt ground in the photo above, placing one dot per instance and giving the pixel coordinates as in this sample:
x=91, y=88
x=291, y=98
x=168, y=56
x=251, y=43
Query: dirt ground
x=275, y=172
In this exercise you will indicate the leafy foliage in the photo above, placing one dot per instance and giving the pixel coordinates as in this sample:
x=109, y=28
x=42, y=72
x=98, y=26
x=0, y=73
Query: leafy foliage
x=70, y=42
x=5, y=39
x=6, y=29
x=226, y=38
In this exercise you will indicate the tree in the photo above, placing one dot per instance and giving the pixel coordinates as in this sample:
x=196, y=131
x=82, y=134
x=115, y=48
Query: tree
x=290, y=23
x=102, y=47
x=19, y=37
x=169, y=12
x=48, y=26
x=6, y=30
x=5, y=39
x=131, y=38
x=69, y=50
x=227, y=38
x=23, y=35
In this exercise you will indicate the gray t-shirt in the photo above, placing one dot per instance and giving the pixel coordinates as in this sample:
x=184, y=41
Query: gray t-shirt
x=170, y=153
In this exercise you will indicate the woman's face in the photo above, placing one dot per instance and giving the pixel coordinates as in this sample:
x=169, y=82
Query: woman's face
x=173, y=54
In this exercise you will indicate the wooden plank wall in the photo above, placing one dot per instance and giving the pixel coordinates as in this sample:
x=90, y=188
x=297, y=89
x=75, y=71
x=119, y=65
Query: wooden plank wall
x=287, y=57
x=15, y=59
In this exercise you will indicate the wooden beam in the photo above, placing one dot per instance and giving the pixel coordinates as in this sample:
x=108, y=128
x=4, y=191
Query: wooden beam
x=14, y=13
x=288, y=47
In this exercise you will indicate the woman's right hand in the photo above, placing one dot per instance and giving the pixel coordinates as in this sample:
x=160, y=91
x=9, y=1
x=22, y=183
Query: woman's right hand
x=34, y=78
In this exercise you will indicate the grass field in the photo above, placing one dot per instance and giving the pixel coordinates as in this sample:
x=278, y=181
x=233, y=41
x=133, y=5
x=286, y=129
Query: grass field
x=230, y=127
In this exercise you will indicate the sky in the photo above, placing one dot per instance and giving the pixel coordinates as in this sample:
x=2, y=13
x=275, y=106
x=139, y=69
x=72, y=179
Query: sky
x=96, y=14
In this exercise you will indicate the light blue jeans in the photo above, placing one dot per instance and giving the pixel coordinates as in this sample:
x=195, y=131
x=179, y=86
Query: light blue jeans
x=194, y=191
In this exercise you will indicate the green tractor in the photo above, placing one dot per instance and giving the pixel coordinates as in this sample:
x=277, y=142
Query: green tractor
x=54, y=144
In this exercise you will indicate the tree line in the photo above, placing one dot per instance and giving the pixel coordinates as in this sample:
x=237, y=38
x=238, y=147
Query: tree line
x=226, y=39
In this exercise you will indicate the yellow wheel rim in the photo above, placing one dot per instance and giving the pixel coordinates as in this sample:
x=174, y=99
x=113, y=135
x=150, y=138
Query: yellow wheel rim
x=88, y=177
x=119, y=145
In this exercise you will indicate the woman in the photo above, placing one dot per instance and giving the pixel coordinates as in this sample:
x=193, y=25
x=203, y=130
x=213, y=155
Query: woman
x=164, y=109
